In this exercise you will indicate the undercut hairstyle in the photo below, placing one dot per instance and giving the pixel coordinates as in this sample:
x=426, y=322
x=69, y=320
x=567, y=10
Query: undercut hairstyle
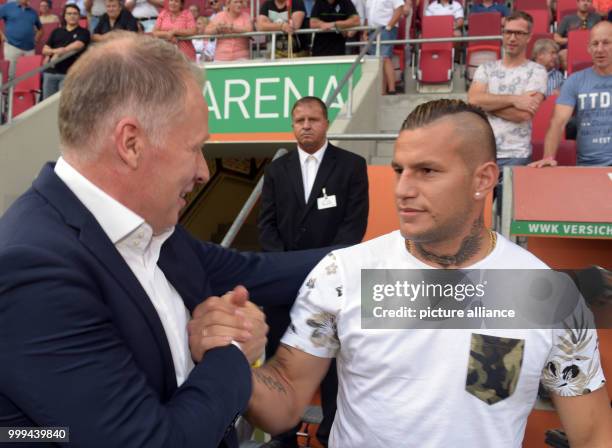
x=310, y=99
x=127, y=75
x=542, y=45
x=521, y=15
x=427, y=113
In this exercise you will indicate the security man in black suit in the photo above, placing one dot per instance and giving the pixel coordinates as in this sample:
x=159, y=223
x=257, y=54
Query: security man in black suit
x=315, y=196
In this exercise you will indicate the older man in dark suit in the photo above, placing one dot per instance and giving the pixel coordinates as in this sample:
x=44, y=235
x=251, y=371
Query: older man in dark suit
x=101, y=312
x=313, y=197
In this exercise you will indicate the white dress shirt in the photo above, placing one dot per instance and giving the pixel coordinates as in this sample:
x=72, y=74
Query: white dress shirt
x=140, y=249
x=309, y=164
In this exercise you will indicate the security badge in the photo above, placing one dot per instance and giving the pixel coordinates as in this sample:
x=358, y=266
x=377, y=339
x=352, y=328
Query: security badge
x=326, y=201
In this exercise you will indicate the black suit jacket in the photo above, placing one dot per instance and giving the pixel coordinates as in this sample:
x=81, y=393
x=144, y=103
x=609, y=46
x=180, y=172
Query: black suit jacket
x=286, y=223
x=82, y=346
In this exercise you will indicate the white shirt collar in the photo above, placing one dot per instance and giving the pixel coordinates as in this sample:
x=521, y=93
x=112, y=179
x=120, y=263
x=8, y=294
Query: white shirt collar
x=318, y=154
x=116, y=219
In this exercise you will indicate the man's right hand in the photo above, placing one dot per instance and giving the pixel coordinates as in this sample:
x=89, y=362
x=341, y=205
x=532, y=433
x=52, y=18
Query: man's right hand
x=542, y=163
x=218, y=321
x=529, y=102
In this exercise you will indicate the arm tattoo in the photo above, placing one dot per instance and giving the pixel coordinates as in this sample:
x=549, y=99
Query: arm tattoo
x=269, y=380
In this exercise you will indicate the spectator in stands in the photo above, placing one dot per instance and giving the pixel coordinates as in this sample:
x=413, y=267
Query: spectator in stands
x=490, y=6
x=583, y=19
x=81, y=5
x=274, y=16
x=602, y=7
x=204, y=48
x=21, y=31
x=587, y=93
x=116, y=17
x=332, y=15
x=195, y=11
x=173, y=22
x=145, y=11
x=447, y=8
x=510, y=90
x=546, y=53
x=313, y=197
x=387, y=14
x=95, y=11
x=67, y=38
x=217, y=6
x=393, y=375
x=44, y=13
x=103, y=294
x=232, y=20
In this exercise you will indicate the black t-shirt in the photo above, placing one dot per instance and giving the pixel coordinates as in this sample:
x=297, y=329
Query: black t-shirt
x=126, y=21
x=276, y=14
x=61, y=37
x=330, y=44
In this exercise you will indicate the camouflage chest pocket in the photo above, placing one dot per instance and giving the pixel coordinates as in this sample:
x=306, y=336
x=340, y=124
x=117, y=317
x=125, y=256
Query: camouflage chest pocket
x=494, y=367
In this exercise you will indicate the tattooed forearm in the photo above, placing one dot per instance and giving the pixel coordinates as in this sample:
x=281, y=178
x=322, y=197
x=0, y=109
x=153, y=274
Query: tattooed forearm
x=269, y=380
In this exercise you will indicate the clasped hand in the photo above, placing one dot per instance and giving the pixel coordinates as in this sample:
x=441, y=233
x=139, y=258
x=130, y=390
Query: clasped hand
x=218, y=321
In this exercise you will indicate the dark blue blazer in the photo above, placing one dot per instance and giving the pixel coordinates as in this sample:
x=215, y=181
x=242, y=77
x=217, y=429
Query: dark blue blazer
x=82, y=346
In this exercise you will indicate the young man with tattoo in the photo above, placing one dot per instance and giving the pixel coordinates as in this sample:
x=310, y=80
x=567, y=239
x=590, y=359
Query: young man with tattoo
x=480, y=384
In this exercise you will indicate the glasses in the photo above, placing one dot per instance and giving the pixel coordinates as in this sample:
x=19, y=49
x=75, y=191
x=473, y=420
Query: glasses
x=509, y=33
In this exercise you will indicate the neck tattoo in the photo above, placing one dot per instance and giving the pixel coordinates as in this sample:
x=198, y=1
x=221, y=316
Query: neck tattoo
x=470, y=246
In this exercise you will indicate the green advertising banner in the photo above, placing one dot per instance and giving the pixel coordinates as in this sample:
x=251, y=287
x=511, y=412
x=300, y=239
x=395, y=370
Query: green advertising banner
x=258, y=98
x=569, y=229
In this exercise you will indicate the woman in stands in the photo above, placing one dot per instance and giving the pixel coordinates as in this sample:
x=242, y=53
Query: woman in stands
x=232, y=20
x=174, y=21
x=44, y=13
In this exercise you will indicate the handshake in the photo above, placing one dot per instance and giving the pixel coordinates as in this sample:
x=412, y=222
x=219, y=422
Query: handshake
x=232, y=318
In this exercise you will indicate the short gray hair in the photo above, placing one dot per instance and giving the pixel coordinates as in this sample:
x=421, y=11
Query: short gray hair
x=542, y=45
x=127, y=75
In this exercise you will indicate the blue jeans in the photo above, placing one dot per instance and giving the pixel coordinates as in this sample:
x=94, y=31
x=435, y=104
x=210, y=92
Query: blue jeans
x=52, y=83
x=501, y=163
x=386, y=51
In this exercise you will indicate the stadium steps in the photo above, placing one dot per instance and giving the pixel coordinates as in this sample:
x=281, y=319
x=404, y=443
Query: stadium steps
x=393, y=109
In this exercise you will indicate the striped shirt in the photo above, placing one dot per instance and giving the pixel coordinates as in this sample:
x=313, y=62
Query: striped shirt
x=555, y=80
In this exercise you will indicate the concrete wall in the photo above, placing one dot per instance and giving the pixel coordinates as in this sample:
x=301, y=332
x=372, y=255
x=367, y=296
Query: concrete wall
x=25, y=145
x=364, y=118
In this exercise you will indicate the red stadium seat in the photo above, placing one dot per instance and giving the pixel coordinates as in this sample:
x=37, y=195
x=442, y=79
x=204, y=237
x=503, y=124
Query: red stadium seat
x=57, y=6
x=4, y=70
x=524, y=5
x=435, y=64
x=26, y=92
x=47, y=29
x=577, y=50
x=566, y=153
x=482, y=24
x=84, y=23
x=541, y=20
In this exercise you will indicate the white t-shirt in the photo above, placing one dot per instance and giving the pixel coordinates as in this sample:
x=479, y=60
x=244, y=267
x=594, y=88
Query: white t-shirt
x=436, y=8
x=98, y=8
x=513, y=140
x=408, y=387
x=143, y=9
x=379, y=12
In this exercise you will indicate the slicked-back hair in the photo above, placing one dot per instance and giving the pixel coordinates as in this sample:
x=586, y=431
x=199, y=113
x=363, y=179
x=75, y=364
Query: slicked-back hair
x=521, y=15
x=310, y=99
x=127, y=75
x=427, y=113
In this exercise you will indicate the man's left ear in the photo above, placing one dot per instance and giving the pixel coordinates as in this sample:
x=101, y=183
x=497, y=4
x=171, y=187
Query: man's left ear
x=485, y=179
x=128, y=136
